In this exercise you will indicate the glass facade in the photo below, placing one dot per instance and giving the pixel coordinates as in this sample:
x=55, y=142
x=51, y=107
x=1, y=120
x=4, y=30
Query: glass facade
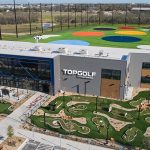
x=146, y=65
x=146, y=79
x=111, y=74
x=27, y=72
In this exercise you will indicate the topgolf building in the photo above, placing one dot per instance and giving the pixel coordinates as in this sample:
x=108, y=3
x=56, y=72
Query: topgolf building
x=101, y=71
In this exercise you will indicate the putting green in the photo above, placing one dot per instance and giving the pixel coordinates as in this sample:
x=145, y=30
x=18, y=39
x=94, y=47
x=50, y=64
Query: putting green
x=130, y=32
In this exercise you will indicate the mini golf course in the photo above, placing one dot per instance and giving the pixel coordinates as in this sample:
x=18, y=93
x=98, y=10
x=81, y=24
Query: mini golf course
x=95, y=36
x=78, y=115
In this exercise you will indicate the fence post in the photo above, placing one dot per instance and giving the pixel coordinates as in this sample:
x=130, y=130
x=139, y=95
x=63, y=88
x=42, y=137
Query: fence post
x=15, y=15
x=29, y=18
x=41, y=17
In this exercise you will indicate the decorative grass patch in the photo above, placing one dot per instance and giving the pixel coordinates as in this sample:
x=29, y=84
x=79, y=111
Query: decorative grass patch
x=130, y=134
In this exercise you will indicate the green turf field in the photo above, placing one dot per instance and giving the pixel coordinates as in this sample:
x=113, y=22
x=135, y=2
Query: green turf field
x=66, y=34
x=4, y=108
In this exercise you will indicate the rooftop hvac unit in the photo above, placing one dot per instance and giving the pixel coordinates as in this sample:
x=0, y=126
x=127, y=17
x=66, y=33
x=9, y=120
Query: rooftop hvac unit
x=63, y=50
x=36, y=48
x=100, y=53
x=83, y=52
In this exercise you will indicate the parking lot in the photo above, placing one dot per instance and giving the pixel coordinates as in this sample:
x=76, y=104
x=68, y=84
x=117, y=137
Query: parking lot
x=34, y=145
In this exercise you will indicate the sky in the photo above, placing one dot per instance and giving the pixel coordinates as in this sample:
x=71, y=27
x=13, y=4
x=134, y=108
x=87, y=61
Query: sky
x=75, y=1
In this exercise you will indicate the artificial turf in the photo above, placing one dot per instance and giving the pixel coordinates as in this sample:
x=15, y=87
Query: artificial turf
x=66, y=34
x=4, y=108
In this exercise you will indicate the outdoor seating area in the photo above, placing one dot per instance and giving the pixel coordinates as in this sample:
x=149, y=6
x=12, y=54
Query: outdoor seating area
x=13, y=94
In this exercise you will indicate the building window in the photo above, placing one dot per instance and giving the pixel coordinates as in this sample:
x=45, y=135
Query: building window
x=111, y=74
x=145, y=80
x=146, y=65
x=36, y=72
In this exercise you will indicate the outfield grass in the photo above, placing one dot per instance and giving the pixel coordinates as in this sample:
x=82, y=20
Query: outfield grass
x=98, y=124
x=94, y=41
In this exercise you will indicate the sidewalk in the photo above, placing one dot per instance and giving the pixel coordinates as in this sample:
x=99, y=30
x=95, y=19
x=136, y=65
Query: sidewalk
x=14, y=118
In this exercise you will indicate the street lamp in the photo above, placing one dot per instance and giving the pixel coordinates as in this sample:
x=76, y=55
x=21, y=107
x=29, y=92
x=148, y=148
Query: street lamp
x=139, y=110
x=17, y=84
x=70, y=122
x=27, y=84
x=107, y=132
x=77, y=87
x=125, y=86
x=85, y=85
x=17, y=90
x=96, y=103
x=63, y=99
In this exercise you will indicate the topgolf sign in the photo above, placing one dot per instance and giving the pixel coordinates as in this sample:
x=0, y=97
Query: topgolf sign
x=80, y=74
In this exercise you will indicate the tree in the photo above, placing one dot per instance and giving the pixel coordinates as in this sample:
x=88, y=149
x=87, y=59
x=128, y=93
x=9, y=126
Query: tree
x=10, y=132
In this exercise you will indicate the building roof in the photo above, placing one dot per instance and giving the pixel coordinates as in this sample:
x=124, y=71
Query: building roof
x=142, y=8
x=45, y=50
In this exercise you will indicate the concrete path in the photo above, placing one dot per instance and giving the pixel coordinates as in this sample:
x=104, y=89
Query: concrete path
x=14, y=119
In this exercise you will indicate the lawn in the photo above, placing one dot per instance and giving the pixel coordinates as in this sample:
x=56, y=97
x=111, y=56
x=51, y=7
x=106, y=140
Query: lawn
x=66, y=34
x=4, y=108
x=96, y=124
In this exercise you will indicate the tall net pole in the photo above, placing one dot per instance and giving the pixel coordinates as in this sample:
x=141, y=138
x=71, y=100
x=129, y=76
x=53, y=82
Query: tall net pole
x=15, y=15
x=52, y=22
x=100, y=9
x=30, y=30
x=41, y=17
x=126, y=14
x=87, y=14
x=68, y=9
